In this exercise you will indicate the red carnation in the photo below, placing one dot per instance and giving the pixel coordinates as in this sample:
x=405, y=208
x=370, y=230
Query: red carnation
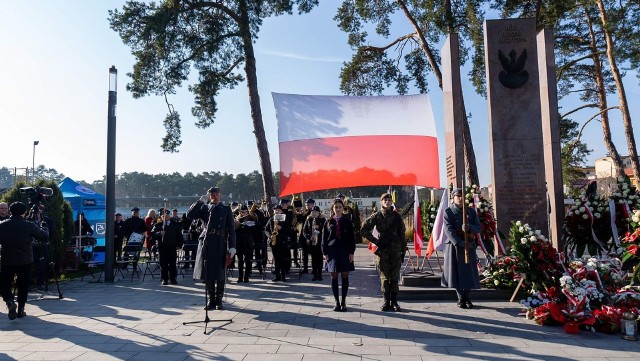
x=633, y=249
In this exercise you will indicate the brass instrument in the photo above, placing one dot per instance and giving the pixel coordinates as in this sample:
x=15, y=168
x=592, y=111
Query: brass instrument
x=274, y=234
x=277, y=218
x=314, y=232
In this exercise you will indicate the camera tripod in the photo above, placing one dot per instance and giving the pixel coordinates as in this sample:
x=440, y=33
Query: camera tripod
x=36, y=216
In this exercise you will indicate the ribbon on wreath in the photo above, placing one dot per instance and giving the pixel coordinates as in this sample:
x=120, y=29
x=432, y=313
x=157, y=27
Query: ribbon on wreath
x=593, y=234
x=560, y=259
x=614, y=228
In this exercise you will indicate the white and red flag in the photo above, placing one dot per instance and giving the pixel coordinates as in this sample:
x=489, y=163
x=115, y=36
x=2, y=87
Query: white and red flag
x=339, y=141
x=437, y=238
x=417, y=225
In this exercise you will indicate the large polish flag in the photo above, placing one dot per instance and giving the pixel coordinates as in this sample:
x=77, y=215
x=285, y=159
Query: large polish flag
x=340, y=141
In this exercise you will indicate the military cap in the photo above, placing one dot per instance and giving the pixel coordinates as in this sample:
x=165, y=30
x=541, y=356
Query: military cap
x=214, y=190
x=316, y=208
x=234, y=203
x=456, y=191
x=311, y=200
x=17, y=208
x=385, y=195
x=135, y=209
x=244, y=208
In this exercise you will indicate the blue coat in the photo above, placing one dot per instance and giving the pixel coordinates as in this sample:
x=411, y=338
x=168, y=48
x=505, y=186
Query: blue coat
x=216, y=238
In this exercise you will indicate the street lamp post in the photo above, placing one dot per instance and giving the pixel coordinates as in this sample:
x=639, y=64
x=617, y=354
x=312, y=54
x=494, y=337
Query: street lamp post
x=109, y=253
x=33, y=161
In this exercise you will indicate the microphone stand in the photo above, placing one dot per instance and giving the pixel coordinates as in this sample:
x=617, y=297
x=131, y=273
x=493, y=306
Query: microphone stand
x=206, y=286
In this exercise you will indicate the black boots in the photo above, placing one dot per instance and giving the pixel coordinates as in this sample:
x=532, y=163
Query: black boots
x=386, y=306
x=11, y=307
x=394, y=302
x=215, y=292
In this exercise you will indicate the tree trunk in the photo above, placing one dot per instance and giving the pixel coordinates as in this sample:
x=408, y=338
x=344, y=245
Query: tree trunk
x=254, y=103
x=602, y=98
x=622, y=96
x=471, y=168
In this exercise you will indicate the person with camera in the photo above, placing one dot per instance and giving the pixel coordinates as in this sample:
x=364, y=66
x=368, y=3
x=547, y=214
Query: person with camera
x=16, y=238
x=458, y=274
x=216, y=243
x=392, y=246
x=168, y=235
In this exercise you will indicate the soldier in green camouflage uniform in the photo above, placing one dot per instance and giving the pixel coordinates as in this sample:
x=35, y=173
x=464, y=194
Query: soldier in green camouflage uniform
x=391, y=250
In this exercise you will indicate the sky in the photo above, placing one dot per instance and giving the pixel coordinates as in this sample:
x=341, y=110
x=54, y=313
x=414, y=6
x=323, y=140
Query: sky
x=54, y=88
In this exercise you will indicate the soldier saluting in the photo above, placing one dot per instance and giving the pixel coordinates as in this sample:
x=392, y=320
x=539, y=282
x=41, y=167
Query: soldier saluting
x=392, y=246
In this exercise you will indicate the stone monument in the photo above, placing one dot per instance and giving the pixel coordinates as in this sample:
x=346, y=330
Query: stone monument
x=551, y=136
x=453, y=110
x=516, y=141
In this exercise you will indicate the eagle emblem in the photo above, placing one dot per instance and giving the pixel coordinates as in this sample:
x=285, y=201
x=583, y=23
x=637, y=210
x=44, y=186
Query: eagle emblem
x=513, y=76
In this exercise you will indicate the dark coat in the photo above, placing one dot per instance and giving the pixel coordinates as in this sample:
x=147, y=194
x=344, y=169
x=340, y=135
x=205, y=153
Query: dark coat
x=216, y=238
x=245, y=235
x=172, y=235
x=134, y=224
x=16, y=238
x=458, y=274
x=307, y=232
x=337, y=246
x=282, y=240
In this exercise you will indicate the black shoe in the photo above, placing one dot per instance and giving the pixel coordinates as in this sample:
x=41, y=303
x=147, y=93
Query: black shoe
x=337, y=307
x=164, y=282
x=386, y=306
x=219, y=305
x=210, y=306
x=246, y=280
x=174, y=281
x=12, y=310
x=277, y=279
x=314, y=278
x=343, y=307
x=396, y=306
x=284, y=279
x=319, y=278
x=239, y=280
x=462, y=304
x=305, y=271
x=21, y=313
x=468, y=303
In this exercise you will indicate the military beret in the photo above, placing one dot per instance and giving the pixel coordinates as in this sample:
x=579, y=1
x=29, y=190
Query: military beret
x=385, y=195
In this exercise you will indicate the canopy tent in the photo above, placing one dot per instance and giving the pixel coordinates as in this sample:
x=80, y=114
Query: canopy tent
x=83, y=199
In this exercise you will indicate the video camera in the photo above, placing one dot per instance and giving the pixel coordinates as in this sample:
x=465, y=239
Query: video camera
x=37, y=193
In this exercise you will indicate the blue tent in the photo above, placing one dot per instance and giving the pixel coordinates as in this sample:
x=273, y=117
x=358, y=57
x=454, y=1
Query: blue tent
x=83, y=199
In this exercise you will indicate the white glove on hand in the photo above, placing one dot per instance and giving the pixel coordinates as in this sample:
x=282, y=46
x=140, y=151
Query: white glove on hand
x=232, y=252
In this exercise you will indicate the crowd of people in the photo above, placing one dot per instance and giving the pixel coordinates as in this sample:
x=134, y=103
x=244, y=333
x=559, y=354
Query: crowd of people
x=212, y=235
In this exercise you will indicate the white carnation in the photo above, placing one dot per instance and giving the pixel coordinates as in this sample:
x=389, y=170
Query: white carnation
x=585, y=216
x=597, y=215
x=518, y=223
x=532, y=238
x=523, y=241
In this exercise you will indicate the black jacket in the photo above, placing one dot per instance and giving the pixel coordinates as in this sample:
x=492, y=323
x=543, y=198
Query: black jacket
x=172, y=235
x=16, y=237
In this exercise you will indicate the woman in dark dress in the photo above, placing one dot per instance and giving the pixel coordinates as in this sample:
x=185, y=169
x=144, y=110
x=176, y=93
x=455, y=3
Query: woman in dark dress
x=338, y=247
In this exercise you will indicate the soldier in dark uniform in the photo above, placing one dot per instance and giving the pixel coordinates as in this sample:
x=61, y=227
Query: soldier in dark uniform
x=278, y=233
x=245, y=224
x=311, y=232
x=392, y=246
x=168, y=235
x=218, y=239
x=302, y=241
x=458, y=274
x=118, y=236
x=135, y=224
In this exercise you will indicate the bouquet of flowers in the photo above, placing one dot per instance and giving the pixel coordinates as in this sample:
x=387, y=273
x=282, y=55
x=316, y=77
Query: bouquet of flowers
x=626, y=199
x=484, y=209
x=630, y=245
x=429, y=211
x=499, y=273
x=536, y=257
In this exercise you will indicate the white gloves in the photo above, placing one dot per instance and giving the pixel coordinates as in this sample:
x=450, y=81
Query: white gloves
x=232, y=252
